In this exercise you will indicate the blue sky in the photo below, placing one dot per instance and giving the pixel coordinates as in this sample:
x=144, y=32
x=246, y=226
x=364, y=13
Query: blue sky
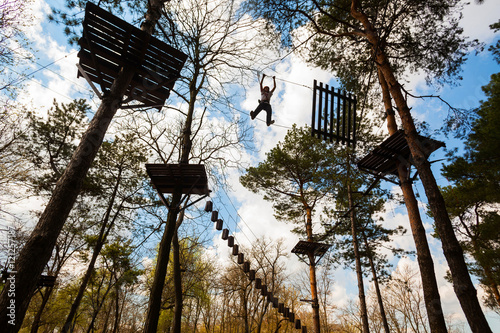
x=250, y=214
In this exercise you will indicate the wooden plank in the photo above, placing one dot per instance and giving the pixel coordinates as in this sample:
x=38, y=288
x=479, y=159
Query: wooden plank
x=383, y=159
x=190, y=178
x=154, y=96
x=110, y=43
x=304, y=247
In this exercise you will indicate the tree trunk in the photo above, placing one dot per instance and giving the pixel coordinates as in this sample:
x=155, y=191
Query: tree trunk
x=100, y=304
x=177, y=324
x=430, y=288
x=154, y=304
x=462, y=283
x=37, y=320
x=101, y=240
x=38, y=249
x=116, y=322
x=312, y=274
x=377, y=287
x=359, y=273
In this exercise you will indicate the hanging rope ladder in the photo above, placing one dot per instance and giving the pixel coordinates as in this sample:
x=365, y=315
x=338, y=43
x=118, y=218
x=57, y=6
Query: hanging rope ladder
x=251, y=273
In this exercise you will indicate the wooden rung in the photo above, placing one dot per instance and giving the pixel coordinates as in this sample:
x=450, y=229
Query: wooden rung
x=281, y=307
x=304, y=329
x=241, y=258
x=208, y=206
x=230, y=241
x=275, y=302
x=218, y=224
x=225, y=234
x=297, y=324
x=286, y=312
x=235, y=249
x=246, y=269
x=291, y=317
x=263, y=290
x=215, y=215
x=258, y=283
x=251, y=272
x=270, y=296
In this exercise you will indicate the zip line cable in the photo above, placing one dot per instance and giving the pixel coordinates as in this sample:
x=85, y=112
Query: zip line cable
x=233, y=219
x=26, y=77
x=279, y=79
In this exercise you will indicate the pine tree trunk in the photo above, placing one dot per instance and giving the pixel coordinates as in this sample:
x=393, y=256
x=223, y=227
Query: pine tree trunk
x=430, y=288
x=38, y=249
x=312, y=274
x=462, y=283
x=359, y=273
x=377, y=287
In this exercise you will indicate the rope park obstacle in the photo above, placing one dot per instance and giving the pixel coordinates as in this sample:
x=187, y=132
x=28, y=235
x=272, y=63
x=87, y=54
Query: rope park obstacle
x=192, y=179
x=110, y=44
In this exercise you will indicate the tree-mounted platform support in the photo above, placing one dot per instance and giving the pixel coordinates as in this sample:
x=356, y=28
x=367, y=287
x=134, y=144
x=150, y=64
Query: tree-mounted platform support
x=110, y=44
x=333, y=115
x=305, y=248
x=189, y=178
x=382, y=161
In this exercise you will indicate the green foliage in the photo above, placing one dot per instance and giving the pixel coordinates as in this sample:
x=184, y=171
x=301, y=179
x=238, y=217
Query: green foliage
x=72, y=22
x=297, y=173
x=475, y=194
x=415, y=35
x=197, y=271
x=495, y=49
x=52, y=140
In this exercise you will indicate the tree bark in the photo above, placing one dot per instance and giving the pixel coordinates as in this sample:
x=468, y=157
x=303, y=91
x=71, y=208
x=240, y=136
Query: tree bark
x=359, y=273
x=101, y=240
x=38, y=249
x=377, y=287
x=430, y=288
x=37, y=319
x=312, y=274
x=462, y=283
x=154, y=305
x=176, y=326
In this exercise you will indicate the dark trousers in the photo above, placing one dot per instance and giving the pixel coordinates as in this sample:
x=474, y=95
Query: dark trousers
x=264, y=106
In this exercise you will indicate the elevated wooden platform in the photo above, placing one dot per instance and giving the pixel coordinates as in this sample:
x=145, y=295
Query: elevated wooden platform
x=46, y=281
x=304, y=247
x=191, y=178
x=382, y=160
x=109, y=43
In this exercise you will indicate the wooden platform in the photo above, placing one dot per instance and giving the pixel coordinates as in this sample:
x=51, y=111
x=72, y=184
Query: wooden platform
x=191, y=178
x=304, y=247
x=109, y=43
x=382, y=160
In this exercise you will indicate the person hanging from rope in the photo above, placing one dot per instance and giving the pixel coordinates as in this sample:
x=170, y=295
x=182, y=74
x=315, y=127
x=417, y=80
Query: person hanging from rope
x=264, y=101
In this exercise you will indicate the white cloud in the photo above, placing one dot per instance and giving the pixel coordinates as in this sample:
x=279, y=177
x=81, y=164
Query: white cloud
x=477, y=19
